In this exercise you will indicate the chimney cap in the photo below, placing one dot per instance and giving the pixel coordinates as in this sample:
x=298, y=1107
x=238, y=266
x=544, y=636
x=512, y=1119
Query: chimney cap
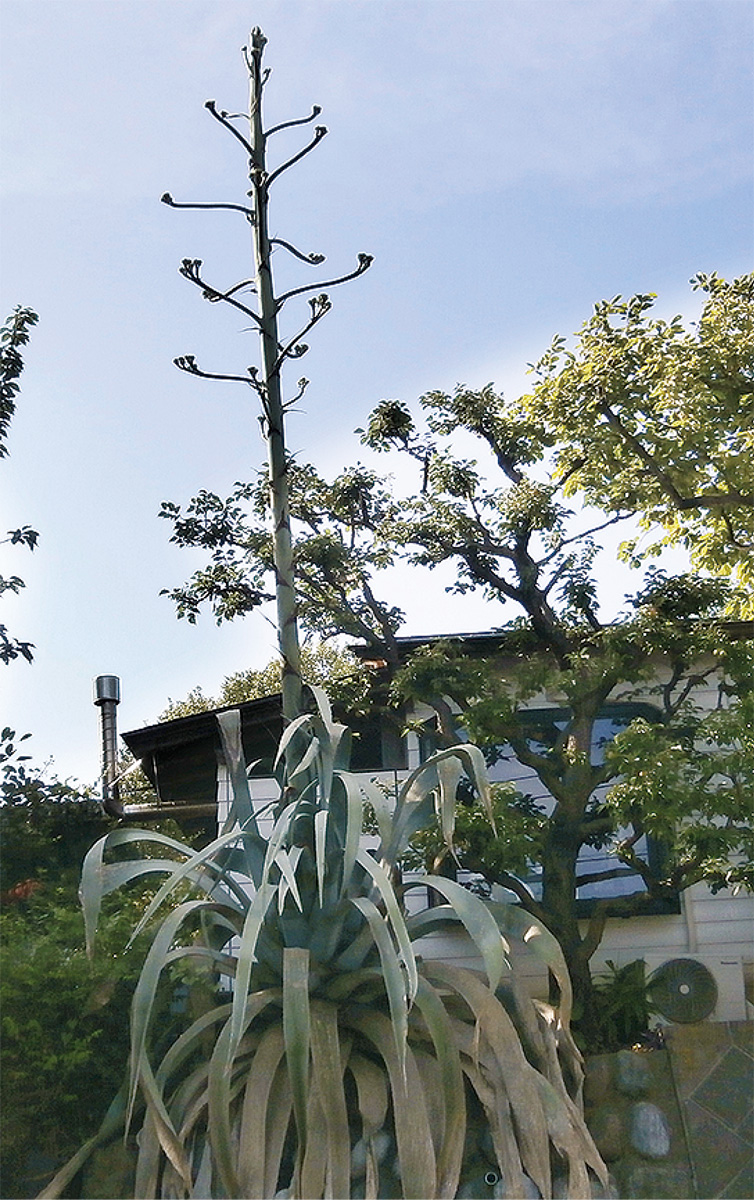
x=106, y=688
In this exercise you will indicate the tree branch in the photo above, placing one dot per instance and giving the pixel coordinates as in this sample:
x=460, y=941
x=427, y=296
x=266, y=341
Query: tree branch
x=707, y=500
x=307, y=258
x=316, y=110
x=600, y=876
x=365, y=261
x=222, y=117
x=189, y=269
x=319, y=133
x=166, y=198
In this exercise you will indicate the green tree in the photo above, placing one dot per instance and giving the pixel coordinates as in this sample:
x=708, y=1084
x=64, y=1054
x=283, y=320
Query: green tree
x=13, y=335
x=338, y=671
x=516, y=539
x=650, y=417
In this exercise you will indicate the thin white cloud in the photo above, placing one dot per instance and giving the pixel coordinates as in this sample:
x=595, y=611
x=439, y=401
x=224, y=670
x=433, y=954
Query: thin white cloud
x=608, y=99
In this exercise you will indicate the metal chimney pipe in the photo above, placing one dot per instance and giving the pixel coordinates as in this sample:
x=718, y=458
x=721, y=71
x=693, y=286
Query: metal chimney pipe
x=107, y=699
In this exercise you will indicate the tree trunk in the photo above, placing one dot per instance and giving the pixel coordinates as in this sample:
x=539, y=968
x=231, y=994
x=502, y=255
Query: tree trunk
x=559, y=904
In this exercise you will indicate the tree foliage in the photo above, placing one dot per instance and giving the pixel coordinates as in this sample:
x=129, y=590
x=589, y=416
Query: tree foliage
x=13, y=335
x=341, y=674
x=63, y=1036
x=64, y=1045
x=509, y=531
x=341, y=540
x=650, y=417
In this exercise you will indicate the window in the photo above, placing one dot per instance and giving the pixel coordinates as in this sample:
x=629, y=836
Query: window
x=546, y=724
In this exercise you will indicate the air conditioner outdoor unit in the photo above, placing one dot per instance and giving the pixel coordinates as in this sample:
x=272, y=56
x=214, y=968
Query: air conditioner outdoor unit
x=697, y=987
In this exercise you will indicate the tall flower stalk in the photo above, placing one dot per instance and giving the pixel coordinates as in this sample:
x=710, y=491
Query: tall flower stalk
x=274, y=351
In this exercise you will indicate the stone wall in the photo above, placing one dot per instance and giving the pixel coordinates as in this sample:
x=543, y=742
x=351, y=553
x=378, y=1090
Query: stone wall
x=676, y=1122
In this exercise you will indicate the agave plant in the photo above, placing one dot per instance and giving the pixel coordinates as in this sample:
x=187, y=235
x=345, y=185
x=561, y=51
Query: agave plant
x=343, y=1064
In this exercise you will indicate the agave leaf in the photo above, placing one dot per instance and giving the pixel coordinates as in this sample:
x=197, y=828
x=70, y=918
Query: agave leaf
x=571, y=1138
x=219, y=1087
x=297, y=1034
x=449, y=772
x=245, y=960
x=493, y=1098
x=189, y=1102
x=372, y=1093
x=292, y=858
x=395, y=981
x=564, y=1116
x=330, y=755
x=242, y=807
x=113, y=1123
x=191, y=870
x=110, y=877
x=290, y=732
x=320, y=845
x=387, y=894
x=373, y=1099
x=514, y=920
x=168, y=1138
x=280, y=1109
x=287, y=870
x=425, y=779
x=181, y=1100
x=451, y=1091
x=327, y=1077
x=519, y=1076
x=229, y=724
x=144, y=993
x=255, y=1113
x=94, y=881
x=148, y=1159
x=311, y=1179
x=203, y=1185
x=405, y=822
x=412, y=1129
x=276, y=839
x=184, y=1045
x=478, y=921
x=309, y=757
x=354, y=822
x=322, y=701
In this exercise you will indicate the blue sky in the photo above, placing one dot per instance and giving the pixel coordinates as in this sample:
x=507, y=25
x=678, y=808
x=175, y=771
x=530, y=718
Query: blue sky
x=508, y=163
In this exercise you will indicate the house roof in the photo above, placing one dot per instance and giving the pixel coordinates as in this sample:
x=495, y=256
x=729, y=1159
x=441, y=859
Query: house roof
x=180, y=756
x=514, y=640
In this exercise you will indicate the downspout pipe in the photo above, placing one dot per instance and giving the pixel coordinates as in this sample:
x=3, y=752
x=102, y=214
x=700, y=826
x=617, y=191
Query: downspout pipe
x=107, y=698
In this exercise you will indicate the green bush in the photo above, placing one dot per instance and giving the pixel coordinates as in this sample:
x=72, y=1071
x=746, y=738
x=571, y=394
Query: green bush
x=63, y=1018
x=64, y=1023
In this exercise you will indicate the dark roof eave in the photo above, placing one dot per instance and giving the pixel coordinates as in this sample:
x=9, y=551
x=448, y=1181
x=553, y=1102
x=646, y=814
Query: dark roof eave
x=183, y=730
